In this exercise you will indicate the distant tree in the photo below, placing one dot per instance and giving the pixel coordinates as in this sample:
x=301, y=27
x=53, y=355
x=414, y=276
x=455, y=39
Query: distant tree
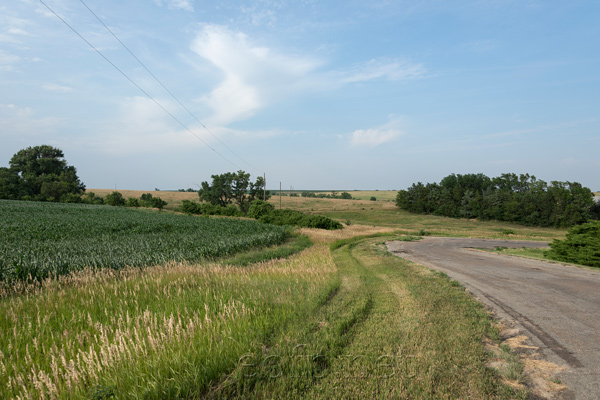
x=346, y=196
x=39, y=173
x=114, y=199
x=373, y=198
x=159, y=203
x=91, y=198
x=233, y=188
x=132, y=202
x=9, y=184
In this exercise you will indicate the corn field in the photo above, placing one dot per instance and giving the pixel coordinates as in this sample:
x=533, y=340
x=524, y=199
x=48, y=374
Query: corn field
x=42, y=240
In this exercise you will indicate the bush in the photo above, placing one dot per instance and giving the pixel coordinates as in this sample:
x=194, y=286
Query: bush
x=132, y=202
x=115, y=199
x=258, y=208
x=192, y=207
x=296, y=218
x=157, y=202
x=373, y=198
x=91, y=198
x=70, y=198
x=582, y=245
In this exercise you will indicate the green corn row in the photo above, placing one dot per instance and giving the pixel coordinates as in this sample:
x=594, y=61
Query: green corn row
x=41, y=240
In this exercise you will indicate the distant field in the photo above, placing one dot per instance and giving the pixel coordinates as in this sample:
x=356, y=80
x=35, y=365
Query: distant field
x=173, y=199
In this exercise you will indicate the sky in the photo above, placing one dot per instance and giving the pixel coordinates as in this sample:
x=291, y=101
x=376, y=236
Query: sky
x=344, y=95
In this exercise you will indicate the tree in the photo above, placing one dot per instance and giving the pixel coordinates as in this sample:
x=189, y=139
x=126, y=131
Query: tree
x=115, y=199
x=230, y=188
x=39, y=173
x=9, y=184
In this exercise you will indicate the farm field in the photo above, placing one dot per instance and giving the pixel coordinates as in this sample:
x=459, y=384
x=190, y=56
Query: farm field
x=340, y=319
x=50, y=239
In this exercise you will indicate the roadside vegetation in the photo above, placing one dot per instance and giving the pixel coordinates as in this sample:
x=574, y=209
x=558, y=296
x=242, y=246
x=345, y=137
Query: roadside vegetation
x=581, y=246
x=349, y=322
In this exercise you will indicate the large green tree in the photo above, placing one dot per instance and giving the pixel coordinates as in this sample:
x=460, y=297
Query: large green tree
x=233, y=188
x=39, y=173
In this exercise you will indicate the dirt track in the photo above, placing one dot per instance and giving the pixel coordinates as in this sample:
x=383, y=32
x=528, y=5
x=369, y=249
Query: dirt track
x=556, y=306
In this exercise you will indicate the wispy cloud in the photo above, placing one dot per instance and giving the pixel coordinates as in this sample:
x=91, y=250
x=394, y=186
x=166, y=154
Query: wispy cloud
x=383, y=68
x=176, y=4
x=144, y=128
x=253, y=76
x=53, y=87
x=23, y=122
x=7, y=60
x=379, y=135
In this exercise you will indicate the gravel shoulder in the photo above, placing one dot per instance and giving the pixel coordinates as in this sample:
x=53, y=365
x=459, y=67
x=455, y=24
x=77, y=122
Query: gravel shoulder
x=556, y=306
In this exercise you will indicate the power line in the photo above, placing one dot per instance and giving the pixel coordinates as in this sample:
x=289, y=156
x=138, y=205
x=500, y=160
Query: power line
x=164, y=87
x=138, y=86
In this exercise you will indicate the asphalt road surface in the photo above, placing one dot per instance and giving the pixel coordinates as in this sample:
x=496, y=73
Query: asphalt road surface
x=555, y=305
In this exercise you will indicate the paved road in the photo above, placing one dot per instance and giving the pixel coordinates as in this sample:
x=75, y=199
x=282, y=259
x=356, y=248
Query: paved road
x=556, y=306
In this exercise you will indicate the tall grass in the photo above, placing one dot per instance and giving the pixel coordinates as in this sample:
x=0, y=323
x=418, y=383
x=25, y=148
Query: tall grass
x=163, y=332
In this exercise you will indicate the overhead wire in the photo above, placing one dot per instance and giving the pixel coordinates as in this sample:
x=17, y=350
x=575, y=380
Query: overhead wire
x=166, y=89
x=138, y=86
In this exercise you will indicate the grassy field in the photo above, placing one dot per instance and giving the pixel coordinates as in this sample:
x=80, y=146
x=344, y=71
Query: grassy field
x=340, y=319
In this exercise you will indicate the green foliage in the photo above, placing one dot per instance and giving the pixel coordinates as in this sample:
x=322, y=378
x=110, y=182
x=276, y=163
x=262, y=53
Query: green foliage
x=346, y=196
x=71, y=198
x=308, y=194
x=132, y=202
x=115, y=199
x=159, y=203
x=38, y=240
x=521, y=198
x=92, y=198
x=296, y=218
x=233, y=188
x=39, y=173
x=192, y=207
x=258, y=208
x=373, y=198
x=582, y=245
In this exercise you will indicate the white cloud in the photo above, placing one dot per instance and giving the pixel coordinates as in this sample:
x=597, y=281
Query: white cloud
x=176, y=4
x=7, y=60
x=53, y=87
x=253, y=76
x=376, y=136
x=144, y=128
x=21, y=122
x=383, y=68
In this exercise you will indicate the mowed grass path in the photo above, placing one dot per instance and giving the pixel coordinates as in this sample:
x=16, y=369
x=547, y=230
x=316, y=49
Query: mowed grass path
x=392, y=329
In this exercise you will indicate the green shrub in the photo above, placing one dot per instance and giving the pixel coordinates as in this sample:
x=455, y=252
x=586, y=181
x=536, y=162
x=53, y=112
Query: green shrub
x=91, y=198
x=115, y=199
x=157, y=202
x=296, y=218
x=373, y=198
x=132, y=202
x=258, y=208
x=70, y=198
x=582, y=245
x=192, y=207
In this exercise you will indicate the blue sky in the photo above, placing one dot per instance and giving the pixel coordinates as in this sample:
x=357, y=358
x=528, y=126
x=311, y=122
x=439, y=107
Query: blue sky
x=316, y=94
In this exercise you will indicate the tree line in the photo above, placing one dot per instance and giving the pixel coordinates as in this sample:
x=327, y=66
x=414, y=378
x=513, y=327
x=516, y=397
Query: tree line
x=509, y=197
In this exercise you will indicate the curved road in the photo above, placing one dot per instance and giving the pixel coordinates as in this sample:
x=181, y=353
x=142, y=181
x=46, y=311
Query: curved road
x=556, y=306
